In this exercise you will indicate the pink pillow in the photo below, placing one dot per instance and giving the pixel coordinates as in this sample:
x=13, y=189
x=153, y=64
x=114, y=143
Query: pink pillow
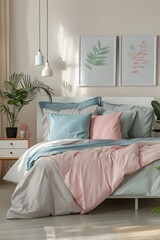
x=106, y=126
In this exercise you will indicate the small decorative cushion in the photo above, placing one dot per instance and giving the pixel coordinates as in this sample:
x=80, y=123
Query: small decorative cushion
x=143, y=122
x=126, y=120
x=106, y=126
x=45, y=121
x=57, y=106
x=69, y=126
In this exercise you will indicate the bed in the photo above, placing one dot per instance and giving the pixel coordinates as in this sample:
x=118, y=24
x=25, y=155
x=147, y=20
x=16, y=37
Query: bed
x=88, y=150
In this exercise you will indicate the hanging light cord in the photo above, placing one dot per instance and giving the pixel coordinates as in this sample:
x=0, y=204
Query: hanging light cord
x=47, y=30
x=39, y=27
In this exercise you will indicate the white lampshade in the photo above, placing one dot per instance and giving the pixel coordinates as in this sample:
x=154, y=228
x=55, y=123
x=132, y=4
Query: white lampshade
x=39, y=59
x=47, y=71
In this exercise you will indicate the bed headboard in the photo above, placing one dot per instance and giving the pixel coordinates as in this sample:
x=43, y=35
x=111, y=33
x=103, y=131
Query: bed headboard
x=139, y=101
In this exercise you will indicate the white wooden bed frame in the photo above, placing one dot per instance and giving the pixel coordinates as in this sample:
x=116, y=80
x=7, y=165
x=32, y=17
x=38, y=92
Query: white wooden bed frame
x=139, y=101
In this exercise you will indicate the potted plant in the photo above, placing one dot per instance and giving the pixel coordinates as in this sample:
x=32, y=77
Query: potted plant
x=156, y=107
x=18, y=91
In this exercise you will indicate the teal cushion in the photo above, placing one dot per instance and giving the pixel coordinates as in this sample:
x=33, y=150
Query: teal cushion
x=126, y=120
x=143, y=122
x=58, y=106
x=68, y=126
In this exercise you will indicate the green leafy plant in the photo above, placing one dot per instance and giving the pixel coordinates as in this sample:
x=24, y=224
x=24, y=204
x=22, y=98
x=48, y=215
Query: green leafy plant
x=156, y=108
x=18, y=91
x=156, y=209
x=96, y=57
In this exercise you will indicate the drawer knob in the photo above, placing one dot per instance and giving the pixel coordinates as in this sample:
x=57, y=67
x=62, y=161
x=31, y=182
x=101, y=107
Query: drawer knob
x=11, y=143
x=11, y=152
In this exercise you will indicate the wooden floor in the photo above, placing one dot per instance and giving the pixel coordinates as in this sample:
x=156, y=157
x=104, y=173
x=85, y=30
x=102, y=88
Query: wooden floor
x=107, y=221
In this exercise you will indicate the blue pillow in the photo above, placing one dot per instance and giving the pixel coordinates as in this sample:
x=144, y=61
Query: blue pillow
x=68, y=126
x=57, y=106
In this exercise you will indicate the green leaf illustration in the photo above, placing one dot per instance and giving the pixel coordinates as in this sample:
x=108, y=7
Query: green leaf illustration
x=97, y=57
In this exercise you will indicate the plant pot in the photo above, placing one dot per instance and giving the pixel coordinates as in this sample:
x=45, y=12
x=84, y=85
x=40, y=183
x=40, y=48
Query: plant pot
x=11, y=132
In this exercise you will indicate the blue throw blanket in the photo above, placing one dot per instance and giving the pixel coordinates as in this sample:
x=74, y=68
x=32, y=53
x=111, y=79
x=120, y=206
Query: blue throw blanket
x=48, y=148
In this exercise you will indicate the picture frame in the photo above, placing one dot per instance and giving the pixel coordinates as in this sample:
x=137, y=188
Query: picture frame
x=97, y=61
x=138, y=60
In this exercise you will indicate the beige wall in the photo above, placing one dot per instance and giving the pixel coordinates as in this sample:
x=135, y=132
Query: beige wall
x=68, y=19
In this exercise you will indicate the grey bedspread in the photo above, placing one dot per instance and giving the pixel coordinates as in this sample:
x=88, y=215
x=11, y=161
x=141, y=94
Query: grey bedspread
x=41, y=191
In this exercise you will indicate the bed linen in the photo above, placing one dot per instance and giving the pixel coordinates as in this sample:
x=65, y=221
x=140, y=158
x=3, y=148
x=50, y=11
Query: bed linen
x=54, y=193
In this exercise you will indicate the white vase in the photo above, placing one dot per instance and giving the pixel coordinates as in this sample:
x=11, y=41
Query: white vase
x=22, y=134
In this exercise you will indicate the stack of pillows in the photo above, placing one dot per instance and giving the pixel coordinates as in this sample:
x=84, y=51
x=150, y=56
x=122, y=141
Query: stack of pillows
x=95, y=119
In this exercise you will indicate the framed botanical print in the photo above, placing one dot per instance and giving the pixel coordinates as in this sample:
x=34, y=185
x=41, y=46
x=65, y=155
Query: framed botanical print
x=97, y=61
x=138, y=60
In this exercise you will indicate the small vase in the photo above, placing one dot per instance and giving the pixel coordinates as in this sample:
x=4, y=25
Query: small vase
x=11, y=132
x=22, y=134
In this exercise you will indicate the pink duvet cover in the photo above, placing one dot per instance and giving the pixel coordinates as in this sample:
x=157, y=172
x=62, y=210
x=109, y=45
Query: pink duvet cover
x=92, y=175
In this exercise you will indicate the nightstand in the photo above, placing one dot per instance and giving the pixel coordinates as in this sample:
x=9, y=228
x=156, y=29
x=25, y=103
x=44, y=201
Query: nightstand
x=12, y=149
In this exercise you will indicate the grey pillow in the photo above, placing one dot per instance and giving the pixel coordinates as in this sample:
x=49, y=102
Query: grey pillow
x=126, y=120
x=143, y=124
x=144, y=119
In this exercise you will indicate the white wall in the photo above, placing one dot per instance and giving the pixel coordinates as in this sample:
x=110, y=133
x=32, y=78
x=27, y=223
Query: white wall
x=68, y=19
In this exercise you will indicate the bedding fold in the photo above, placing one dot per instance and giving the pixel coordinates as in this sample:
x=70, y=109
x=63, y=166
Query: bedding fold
x=49, y=148
x=92, y=175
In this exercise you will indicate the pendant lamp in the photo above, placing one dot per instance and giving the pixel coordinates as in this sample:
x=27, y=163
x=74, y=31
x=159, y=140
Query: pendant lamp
x=47, y=71
x=39, y=58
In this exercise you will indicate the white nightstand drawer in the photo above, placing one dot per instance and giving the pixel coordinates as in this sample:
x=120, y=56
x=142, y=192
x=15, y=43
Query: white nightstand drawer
x=12, y=153
x=12, y=149
x=13, y=144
